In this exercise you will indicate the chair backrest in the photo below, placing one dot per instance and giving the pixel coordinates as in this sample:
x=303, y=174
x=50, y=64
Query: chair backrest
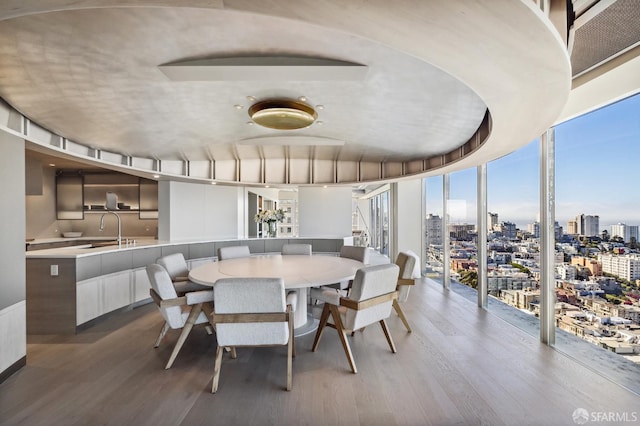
x=360, y=254
x=300, y=249
x=175, y=264
x=407, y=262
x=161, y=283
x=246, y=296
x=233, y=252
x=370, y=282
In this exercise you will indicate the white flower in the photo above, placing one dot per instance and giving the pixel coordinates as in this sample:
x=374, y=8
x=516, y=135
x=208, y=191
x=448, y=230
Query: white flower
x=275, y=215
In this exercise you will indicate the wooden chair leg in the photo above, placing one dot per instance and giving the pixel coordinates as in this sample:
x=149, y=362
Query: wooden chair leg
x=383, y=324
x=191, y=320
x=343, y=337
x=398, y=309
x=323, y=322
x=207, y=308
x=291, y=335
x=164, y=330
x=290, y=354
x=216, y=369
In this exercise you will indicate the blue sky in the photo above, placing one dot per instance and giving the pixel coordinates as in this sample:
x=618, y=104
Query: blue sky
x=597, y=173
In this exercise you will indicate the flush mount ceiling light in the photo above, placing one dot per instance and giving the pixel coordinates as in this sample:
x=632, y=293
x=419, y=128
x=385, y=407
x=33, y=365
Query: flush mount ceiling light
x=282, y=114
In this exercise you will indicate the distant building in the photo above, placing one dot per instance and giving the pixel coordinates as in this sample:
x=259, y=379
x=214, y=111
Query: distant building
x=587, y=225
x=572, y=227
x=508, y=230
x=566, y=271
x=591, y=264
x=508, y=279
x=461, y=232
x=521, y=299
x=534, y=229
x=434, y=230
x=626, y=232
x=625, y=266
x=492, y=220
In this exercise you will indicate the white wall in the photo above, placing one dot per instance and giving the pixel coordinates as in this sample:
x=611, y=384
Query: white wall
x=408, y=223
x=192, y=211
x=13, y=324
x=324, y=212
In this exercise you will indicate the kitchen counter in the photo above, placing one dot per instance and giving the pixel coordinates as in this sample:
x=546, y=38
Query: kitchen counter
x=70, y=287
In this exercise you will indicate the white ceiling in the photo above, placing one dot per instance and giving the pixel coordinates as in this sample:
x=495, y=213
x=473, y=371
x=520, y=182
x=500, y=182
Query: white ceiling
x=91, y=75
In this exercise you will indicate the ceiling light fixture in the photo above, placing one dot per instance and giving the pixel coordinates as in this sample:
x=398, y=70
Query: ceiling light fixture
x=282, y=114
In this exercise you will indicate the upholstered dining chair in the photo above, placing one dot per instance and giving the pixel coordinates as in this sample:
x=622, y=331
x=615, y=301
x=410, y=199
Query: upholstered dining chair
x=409, y=265
x=299, y=249
x=178, y=312
x=178, y=270
x=232, y=252
x=370, y=301
x=252, y=312
x=361, y=254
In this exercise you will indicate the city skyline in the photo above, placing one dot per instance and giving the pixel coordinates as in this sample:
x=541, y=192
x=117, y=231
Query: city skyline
x=596, y=156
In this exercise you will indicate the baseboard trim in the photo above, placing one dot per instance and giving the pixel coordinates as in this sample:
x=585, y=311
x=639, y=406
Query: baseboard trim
x=91, y=323
x=16, y=366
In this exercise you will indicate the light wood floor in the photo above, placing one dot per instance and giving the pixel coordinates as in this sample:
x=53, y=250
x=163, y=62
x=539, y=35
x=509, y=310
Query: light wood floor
x=460, y=366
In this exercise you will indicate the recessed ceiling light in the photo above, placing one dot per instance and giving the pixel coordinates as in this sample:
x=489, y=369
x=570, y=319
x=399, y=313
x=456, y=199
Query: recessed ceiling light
x=324, y=186
x=319, y=106
x=213, y=183
x=52, y=165
x=266, y=186
x=302, y=98
x=250, y=123
x=238, y=106
x=251, y=98
x=320, y=123
x=156, y=176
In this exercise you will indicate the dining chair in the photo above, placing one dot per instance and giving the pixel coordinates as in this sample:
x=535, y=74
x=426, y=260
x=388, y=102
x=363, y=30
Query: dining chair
x=232, y=252
x=178, y=312
x=370, y=301
x=361, y=254
x=252, y=312
x=409, y=265
x=299, y=249
x=178, y=270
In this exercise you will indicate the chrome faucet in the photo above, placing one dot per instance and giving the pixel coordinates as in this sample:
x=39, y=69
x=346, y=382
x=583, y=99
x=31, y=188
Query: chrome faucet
x=119, y=226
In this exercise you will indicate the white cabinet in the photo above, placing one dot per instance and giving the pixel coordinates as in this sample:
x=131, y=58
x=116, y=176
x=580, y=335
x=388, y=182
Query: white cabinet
x=100, y=295
x=141, y=285
x=88, y=300
x=116, y=291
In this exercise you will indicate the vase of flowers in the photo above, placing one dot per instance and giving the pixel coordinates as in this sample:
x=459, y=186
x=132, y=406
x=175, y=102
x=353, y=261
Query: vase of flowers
x=271, y=218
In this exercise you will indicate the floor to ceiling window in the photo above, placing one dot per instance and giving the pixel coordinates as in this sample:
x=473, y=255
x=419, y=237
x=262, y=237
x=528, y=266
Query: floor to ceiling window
x=598, y=262
x=461, y=227
x=597, y=256
x=513, y=229
x=379, y=213
x=433, y=227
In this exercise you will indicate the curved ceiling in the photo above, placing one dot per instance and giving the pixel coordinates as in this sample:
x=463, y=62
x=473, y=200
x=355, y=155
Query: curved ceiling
x=436, y=84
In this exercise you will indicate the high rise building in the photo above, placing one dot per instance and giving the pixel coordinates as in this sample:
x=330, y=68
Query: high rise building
x=433, y=230
x=572, y=227
x=492, y=220
x=588, y=225
x=626, y=232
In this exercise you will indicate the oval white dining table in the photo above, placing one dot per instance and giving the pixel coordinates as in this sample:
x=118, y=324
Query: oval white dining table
x=298, y=272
